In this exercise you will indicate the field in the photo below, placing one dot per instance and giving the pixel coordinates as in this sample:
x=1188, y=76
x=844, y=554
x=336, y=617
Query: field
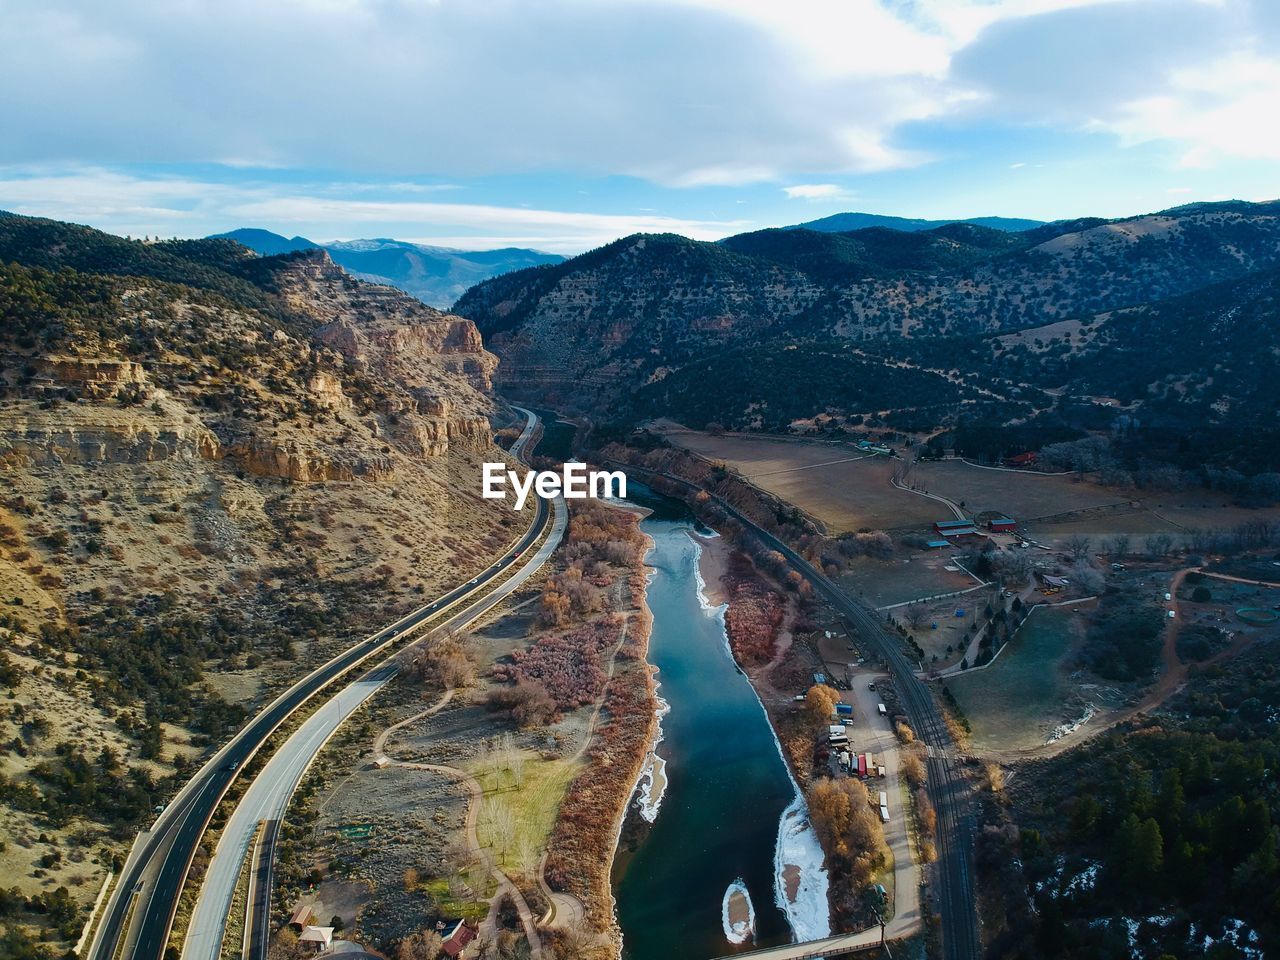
x=912, y=574
x=1024, y=496
x=851, y=493
x=516, y=819
x=1016, y=703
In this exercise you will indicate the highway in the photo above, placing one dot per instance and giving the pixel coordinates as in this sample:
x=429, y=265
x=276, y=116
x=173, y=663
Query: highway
x=946, y=784
x=268, y=796
x=140, y=912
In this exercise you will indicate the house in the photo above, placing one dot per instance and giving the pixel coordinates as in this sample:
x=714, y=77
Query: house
x=1002, y=525
x=819, y=679
x=937, y=544
x=302, y=918
x=459, y=937
x=955, y=529
x=1027, y=459
x=316, y=939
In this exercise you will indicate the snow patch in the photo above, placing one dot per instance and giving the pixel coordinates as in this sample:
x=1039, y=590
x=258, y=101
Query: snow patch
x=652, y=784
x=1066, y=729
x=703, y=602
x=742, y=930
x=800, y=882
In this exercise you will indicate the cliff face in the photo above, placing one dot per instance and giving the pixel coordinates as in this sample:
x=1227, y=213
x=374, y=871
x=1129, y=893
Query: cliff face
x=358, y=377
x=596, y=326
x=383, y=330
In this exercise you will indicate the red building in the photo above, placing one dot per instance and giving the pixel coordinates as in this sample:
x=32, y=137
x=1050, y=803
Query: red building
x=1002, y=525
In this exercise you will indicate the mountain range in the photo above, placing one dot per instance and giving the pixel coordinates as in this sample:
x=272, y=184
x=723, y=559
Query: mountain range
x=435, y=275
x=844, y=222
x=1163, y=317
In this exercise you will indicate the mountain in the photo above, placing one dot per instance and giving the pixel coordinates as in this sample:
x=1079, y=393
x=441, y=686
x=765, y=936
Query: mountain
x=435, y=275
x=594, y=327
x=219, y=469
x=844, y=222
x=875, y=251
x=265, y=242
x=640, y=327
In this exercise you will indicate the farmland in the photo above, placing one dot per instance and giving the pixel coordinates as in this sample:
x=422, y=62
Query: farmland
x=1025, y=496
x=909, y=576
x=838, y=485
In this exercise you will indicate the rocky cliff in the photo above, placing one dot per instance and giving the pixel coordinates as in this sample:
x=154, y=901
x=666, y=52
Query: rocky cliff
x=216, y=471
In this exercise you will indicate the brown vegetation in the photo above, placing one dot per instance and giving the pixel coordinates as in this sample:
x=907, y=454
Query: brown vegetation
x=754, y=613
x=569, y=666
x=848, y=828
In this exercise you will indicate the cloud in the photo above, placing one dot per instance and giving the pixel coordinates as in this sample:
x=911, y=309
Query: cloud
x=186, y=206
x=1214, y=110
x=1196, y=74
x=816, y=191
x=682, y=93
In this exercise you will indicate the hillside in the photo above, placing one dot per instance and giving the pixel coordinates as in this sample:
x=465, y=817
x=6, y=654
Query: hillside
x=217, y=469
x=435, y=275
x=596, y=326
x=648, y=317
x=875, y=252
x=844, y=222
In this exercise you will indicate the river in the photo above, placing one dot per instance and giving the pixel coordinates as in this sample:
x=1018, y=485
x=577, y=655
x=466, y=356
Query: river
x=726, y=785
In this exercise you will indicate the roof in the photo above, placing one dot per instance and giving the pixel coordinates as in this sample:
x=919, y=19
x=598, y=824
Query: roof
x=302, y=915
x=316, y=935
x=949, y=524
x=1002, y=520
x=938, y=543
x=458, y=940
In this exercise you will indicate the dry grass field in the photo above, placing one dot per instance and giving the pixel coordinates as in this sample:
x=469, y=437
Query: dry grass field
x=912, y=574
x=840, y=486
x=1023, y=496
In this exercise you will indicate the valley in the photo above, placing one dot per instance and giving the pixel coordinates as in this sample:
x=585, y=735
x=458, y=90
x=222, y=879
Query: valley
x=950, y=560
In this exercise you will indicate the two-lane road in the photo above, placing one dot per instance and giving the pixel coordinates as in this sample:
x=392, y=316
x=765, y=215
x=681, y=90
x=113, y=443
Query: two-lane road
x=141, y=909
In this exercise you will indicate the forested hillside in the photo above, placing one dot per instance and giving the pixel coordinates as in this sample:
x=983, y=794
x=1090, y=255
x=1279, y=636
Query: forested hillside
x=1158, y=840
x=1163, y=320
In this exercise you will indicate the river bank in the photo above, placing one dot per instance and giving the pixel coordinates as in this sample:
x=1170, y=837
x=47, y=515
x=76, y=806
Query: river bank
x=583, y=842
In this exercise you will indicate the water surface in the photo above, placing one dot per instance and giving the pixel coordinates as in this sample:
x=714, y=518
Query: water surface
x=727, y=784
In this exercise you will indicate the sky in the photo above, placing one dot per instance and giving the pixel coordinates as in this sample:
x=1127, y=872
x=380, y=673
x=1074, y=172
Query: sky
x=564, y=124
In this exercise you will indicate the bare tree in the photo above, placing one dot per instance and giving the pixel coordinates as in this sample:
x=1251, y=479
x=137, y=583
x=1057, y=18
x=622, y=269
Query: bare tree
x=1088, y=579
x=1159, y=545
x=1078, y=546
x=420, y=946
x=1014, y=567
x=1119, y=547
x=501, y=826
x=916, y=613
